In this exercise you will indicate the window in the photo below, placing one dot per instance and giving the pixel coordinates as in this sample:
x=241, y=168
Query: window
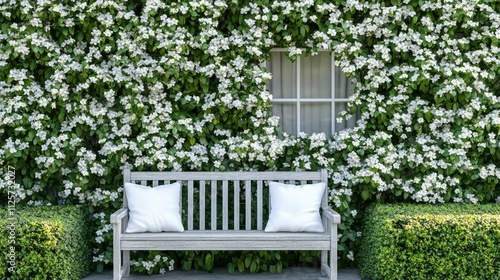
x=308, y=94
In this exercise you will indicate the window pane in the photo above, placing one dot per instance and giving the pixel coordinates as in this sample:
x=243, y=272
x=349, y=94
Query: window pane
x=284, y=81
x=343, y=86
x=316, y=76
x=288, y=117
x=316, y=117
x=350, y=123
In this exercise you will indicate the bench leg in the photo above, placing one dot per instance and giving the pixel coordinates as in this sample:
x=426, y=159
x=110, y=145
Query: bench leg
x=126, y=262
x=324, y=261
x=120, y=270
x=117, y=275
x=117, y=254
x=333, y=251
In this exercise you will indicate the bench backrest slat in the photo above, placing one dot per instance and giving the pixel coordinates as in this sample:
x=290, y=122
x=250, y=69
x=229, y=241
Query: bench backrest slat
x=190, y=204
x=248, y=205
x=213, y=206
x=259, y=205
x=242, y=188
x=237, y=203
x=225, y=215
x=202, y=205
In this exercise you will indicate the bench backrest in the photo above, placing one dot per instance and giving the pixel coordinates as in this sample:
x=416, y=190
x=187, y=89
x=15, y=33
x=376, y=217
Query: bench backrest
x=244, y=196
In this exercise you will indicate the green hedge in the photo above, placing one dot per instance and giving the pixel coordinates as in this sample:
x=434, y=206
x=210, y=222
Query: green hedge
x=46, y=242
x=404, y=241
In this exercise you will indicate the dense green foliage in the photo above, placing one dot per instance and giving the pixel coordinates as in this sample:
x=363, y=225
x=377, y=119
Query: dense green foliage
x=87, y=87
x=403, y=241
x=46, y=242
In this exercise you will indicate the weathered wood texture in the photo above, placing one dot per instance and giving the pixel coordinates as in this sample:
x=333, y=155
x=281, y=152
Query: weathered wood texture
x=211, y=204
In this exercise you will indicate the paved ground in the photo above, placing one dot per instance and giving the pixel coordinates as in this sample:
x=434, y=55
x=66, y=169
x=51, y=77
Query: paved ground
x=295, y=273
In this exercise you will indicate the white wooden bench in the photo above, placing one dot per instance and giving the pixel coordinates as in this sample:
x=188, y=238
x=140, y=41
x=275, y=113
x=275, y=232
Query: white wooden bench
x=224, y=232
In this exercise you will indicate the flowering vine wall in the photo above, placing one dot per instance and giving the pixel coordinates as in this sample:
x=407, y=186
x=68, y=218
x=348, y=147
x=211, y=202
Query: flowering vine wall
x=87, y=87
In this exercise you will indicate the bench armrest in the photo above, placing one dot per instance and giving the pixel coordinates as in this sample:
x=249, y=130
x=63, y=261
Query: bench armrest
x=117, y=217
x=331, y=215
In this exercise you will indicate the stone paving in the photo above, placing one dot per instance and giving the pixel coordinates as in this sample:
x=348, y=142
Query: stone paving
x=294, y=273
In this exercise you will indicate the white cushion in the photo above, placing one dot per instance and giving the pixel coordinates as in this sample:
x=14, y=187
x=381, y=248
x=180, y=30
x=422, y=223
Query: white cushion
x=153, y=209
x=295, y=208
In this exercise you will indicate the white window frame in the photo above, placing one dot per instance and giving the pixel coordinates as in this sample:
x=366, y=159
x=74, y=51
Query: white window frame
x=298, y=100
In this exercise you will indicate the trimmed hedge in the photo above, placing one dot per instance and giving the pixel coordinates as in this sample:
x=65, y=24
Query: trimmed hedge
x=405, y=241
x=46, y=242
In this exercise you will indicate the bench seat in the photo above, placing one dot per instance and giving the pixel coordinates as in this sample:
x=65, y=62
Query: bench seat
x=226, y=240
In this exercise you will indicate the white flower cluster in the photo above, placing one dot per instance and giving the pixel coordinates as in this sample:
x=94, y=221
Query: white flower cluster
x=148, y=265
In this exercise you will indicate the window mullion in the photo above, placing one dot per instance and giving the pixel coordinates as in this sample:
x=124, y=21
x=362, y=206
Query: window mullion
x=305, y=100
x=333, y=103
x=340, y=100
x=298, y=96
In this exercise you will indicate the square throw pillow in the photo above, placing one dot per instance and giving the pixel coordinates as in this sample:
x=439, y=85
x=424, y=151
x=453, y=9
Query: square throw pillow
x=153, y=209
x=295, y=208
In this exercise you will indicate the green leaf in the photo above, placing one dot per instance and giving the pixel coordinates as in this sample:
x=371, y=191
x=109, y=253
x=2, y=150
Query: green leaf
x=365, y=194
x=272, y=268
x=351, y=236
x=204, y=88
x=27, y=182
x=5, y=28
x=61, y=115
x=78, y=131
x=31, y=135
x=186, y=265
x=241, y=266
x=253, y=267
x=248, y=261
x=428, y=116
x=100, y=267
x=208, y=260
